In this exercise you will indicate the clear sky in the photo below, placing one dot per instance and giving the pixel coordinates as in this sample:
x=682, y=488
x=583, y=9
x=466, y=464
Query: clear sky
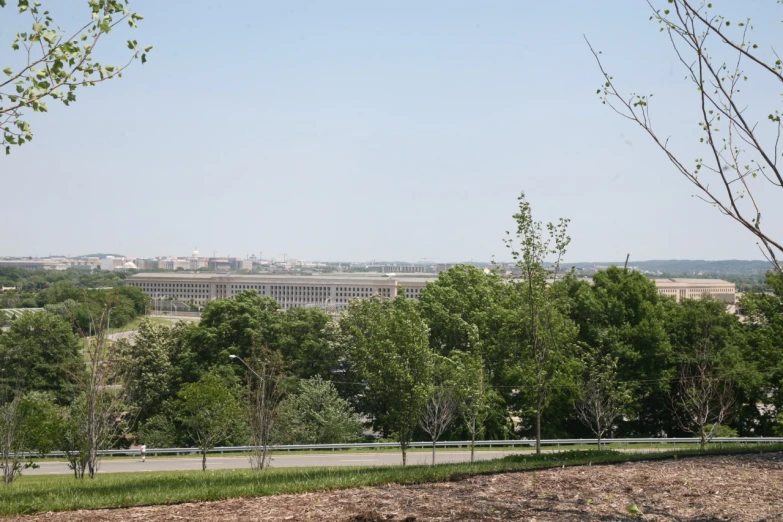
x=355, y=130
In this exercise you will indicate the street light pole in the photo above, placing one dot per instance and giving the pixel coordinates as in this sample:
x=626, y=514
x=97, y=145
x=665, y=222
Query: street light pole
x=232, y=356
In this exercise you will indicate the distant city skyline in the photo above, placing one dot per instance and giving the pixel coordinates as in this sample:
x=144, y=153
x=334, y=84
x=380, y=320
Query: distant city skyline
x=433, y=261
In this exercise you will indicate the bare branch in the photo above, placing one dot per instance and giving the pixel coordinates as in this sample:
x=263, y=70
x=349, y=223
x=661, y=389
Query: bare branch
x=438, y=414
x=689, y=29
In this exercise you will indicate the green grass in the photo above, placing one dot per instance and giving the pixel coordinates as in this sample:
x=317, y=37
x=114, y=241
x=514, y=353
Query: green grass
x=134, y=324
x=63, y=492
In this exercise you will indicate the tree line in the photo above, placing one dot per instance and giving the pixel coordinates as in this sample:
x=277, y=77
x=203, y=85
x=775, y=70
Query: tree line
x=73, y=294
x=478, y=356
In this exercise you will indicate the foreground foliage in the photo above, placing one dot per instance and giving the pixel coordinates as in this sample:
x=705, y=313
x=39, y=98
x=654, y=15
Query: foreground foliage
x=52, y=63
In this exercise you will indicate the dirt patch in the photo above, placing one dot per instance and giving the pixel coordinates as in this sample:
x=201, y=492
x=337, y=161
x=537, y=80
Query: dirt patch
x=739, y=488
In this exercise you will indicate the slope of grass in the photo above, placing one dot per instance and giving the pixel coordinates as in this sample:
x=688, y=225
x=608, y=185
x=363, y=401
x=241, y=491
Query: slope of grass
x=134, y=324
x=62, y=492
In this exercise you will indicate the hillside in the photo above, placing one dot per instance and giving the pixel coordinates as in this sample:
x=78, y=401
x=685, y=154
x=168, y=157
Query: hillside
x=685, y=267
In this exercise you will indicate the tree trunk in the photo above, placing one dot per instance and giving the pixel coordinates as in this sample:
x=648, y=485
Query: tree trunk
x=433, y=451
x=404, y=448
x=538, y=431
x=472, y=443
x=203, y=459
x=599, y=441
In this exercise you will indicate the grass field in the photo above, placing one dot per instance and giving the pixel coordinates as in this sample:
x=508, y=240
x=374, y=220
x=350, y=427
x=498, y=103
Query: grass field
x=134, y=324
x=58, y=493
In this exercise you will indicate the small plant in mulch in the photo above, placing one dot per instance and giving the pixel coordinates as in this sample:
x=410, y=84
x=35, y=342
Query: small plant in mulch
x=634, y=510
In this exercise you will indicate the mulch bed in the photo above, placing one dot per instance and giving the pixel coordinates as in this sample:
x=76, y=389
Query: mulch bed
x=737, y=488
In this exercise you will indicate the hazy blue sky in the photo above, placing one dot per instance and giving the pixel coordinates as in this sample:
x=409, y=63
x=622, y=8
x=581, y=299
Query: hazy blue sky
x=355, y=130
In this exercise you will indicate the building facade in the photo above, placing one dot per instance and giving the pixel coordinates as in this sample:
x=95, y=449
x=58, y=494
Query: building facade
x=333, y=292
x=50, y=263
x=330, y=292
x=683, y=288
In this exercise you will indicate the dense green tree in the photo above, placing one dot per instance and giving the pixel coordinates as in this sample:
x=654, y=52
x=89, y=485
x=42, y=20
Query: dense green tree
x=764, y=334
x=66, y=309
x=207, y=410
x=303, y=342
x=234, y=326
x=388, y=348
x=622, y=315
x=707, y=347
x=29, y=423
x=159, y=431
x=82, y=305
x=137, y=298
x=146, y=365
x=314, y=413
x=463, y=310
x=186, y=363
x=693, y=323
x=40, y=352
x=61, y=291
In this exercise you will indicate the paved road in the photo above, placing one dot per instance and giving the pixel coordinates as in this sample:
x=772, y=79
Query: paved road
x=278, y=461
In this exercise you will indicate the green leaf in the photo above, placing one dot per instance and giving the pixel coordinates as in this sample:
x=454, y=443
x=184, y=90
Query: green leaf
x=8, y=71
x=634, y=509
x=148, y=49
x=38, y=28
x=143, y=58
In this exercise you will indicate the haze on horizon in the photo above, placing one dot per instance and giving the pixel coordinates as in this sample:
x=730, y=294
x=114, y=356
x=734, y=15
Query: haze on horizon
x=365, y=131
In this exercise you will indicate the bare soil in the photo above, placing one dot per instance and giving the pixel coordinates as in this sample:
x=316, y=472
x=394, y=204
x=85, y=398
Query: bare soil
x=737, y=488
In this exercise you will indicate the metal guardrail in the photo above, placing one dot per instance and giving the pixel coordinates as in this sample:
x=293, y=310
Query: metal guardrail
x=439, y=444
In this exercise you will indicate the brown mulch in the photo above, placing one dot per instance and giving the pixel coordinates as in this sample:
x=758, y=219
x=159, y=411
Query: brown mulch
x=737, y=488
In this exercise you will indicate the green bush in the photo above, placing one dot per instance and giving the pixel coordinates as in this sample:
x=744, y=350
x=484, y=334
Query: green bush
x=158, y=432
x=722, y=431
x=778, y=429
x=316, y=414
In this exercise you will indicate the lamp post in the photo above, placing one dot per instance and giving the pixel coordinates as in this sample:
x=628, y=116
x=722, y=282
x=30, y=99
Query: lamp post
x=261, y=415
x=232, y=356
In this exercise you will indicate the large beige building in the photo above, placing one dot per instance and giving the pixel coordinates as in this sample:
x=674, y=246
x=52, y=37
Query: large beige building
x=681, y=289
x=330, y=292
x=334, y=292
